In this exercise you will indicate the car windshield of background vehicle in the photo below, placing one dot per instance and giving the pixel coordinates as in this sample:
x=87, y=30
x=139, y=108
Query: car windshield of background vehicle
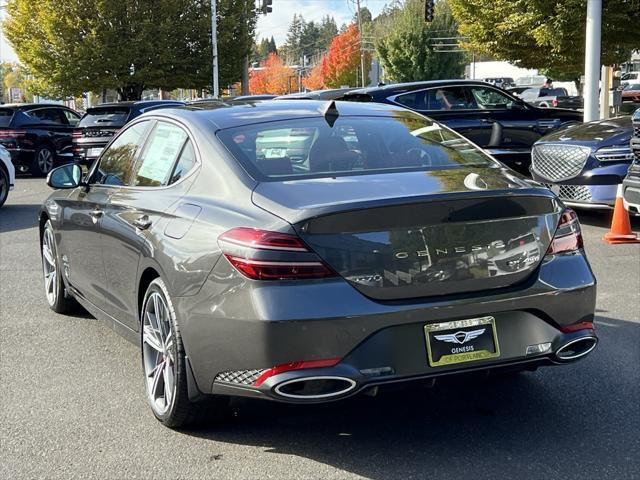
x=632, y=86
x=311, y=148
x=6, y=114
x=105, y=116
x=159, y=155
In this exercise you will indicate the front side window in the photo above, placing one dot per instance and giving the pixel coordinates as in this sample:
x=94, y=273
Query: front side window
x=353, y=145
x=490, y=99
x=117, y=162
x=160, y=153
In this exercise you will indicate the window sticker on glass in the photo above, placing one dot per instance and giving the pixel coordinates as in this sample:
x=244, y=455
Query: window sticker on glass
x=159, y=155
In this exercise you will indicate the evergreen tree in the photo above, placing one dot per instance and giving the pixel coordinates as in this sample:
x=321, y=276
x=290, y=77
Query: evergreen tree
x=406, y=52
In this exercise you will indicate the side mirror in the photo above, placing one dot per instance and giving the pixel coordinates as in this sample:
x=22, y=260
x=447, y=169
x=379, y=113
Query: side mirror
x=65, y=177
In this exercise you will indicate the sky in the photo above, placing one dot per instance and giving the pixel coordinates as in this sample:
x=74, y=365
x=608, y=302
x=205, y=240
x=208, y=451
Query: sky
x=277, y=22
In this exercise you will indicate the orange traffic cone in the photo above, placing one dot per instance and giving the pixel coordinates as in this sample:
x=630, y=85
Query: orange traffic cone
x=621, y=225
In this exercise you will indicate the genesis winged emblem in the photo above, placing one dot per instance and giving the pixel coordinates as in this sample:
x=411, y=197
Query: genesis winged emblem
x=460, y=337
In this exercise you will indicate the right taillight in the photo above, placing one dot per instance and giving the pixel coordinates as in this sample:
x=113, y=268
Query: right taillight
x=568, y=236
x=264, y=255
x=11, y=134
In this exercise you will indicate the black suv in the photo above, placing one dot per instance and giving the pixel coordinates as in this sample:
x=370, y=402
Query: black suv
x=495, y=120
x=37, y=135
x=100, y=123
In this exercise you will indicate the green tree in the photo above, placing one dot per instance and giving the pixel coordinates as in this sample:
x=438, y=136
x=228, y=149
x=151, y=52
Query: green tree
x=545, y=34
x=71, y=46
x=405, y=50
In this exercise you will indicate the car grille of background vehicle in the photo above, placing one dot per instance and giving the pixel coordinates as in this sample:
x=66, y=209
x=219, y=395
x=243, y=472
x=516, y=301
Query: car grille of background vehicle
x=577, y=193
x=558, y=162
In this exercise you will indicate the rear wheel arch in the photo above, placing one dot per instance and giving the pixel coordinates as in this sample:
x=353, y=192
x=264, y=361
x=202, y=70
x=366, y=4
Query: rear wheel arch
x=148, y=276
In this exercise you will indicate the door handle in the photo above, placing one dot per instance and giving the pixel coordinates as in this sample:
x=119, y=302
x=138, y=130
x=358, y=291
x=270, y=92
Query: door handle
x=142, y=222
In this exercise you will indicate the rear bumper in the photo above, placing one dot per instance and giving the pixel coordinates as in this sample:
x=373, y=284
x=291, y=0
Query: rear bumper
x=247, y=327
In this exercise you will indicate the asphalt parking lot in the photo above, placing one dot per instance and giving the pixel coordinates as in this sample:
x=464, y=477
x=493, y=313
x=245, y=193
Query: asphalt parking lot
x=72, y=402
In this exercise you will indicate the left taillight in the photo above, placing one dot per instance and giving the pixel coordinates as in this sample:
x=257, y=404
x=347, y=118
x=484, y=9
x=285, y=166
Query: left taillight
x=568, y=236
x=11, y=134
x=77, y=133
x=264, y=255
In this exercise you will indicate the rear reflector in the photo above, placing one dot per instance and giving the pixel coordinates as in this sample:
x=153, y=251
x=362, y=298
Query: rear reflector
x=568, y=236
x=288, y=367
x=577, y=326
x=240, y=246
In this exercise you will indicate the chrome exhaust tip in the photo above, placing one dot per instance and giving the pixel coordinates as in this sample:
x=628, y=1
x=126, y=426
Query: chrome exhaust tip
x=312, y=388
x=576, y=348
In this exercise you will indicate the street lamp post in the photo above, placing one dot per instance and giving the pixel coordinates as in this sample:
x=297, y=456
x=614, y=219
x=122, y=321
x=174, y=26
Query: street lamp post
x=214, y=44
x=592, y=59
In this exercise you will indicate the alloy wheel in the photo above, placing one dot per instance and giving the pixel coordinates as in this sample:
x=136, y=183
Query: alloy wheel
x=45, y=160
x=49, y=267
x=159, y=353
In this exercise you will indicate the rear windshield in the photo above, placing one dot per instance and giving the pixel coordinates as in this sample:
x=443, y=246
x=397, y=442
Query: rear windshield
x=105, y=116
x=310, y=147
x=6, y=114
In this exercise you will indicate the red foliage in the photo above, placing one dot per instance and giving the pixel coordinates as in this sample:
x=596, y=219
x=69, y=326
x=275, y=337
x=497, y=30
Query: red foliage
x=274, y=77
x=340, y=65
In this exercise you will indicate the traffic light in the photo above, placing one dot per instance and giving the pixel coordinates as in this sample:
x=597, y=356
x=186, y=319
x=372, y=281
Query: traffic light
x=266, y=6
x=428, y=10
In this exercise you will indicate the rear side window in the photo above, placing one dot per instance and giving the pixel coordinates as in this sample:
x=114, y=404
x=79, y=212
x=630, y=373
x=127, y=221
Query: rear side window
x=186, y=162
x=105, y=116
x=353, y=145
x=160, y=153
x=449, y=98
x=48, y=115
x=118, y=160
x=6, y=114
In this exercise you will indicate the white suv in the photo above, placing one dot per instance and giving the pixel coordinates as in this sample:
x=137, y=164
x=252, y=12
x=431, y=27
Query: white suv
x=7, y=175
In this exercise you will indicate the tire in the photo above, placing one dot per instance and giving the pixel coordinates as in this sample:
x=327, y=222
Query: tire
x=43, y=161
x=55, y=292
x=4, y=186
x=544, y=105
x=163, y=363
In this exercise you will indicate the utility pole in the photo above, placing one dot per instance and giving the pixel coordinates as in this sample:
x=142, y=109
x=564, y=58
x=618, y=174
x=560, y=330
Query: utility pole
x=592, y=59
x=214, y=44
x=361, y=44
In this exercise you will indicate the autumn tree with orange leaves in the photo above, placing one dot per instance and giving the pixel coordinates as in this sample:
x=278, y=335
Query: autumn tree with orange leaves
x=341, y=64
x=275, y=77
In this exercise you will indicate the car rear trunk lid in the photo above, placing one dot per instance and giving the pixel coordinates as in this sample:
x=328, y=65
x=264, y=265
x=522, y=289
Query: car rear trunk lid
x=451, y=241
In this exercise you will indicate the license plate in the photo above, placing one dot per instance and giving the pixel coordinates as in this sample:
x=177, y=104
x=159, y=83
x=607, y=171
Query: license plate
x=94, y=152
x=461, y=341
x=275, y=152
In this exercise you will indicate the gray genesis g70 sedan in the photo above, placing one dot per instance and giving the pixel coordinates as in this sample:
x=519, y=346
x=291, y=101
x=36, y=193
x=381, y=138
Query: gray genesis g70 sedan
x=304, y=251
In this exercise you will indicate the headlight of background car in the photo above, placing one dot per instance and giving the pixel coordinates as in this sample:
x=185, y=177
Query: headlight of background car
x=616, y=153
